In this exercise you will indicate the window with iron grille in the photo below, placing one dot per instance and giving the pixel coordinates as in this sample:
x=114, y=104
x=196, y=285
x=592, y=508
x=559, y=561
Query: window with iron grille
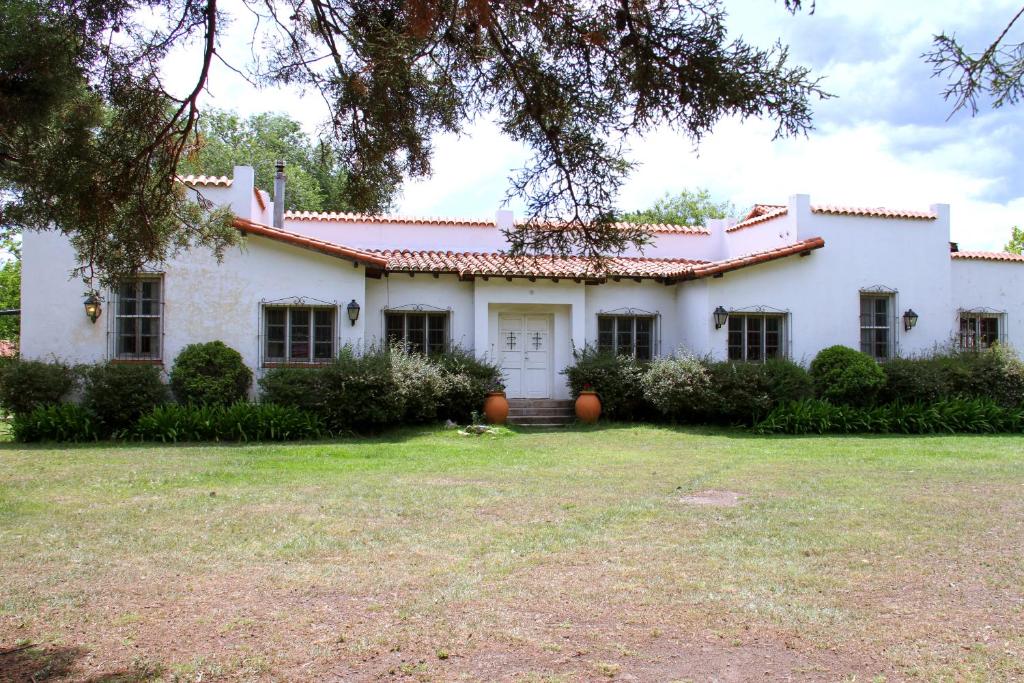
x=138, y=317
x=626, y=335
x=756, y=337
x=417, y=331
x=299, y=334
x=876, y=326
x=979, y=330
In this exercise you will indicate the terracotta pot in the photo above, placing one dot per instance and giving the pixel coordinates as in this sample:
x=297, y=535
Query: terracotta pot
x=588, y=407
x=496, y=407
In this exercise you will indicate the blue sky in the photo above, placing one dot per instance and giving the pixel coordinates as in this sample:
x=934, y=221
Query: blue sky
x=885, y=140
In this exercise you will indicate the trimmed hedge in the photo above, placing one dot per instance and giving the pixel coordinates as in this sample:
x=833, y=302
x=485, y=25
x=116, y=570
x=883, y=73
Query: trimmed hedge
x=210, y=374
x=117, y=395
x=679, y=388
x=743, y=393
x=615, y=378
x=847, y=377
x=29, y=384
x=384, y=387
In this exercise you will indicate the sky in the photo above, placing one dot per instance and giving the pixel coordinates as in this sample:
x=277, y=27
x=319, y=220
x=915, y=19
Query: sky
x=885, y=139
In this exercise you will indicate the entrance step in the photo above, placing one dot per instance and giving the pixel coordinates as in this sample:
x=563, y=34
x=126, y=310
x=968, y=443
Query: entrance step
x=541, y=412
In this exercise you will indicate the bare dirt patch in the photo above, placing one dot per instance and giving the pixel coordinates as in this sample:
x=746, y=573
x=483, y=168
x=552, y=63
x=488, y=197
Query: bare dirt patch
x=713, y=498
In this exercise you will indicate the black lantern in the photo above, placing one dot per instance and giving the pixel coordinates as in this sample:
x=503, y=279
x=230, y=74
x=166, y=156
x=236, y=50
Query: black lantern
x=721, y=317
x=909, y=319
x=93, y=307
x=353, y=311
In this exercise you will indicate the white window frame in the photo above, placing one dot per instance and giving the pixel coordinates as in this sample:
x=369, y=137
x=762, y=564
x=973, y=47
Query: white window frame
x=892, y=350
x=630, y=318
x=763, y=315
x=976, y=315
x=427, y=313
x=117, y=317
x=310, y=358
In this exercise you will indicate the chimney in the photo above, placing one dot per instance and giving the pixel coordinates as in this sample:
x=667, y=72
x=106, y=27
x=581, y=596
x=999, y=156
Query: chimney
x=279, y=195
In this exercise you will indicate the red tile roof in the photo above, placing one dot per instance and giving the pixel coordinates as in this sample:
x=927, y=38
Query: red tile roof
x=461, y=222
x=329, y=248
x=988, y=256
x=727, y=265
x=502, y=265
x=878, y=212
x=259, y=198
x=206, y=180
x=759, y=214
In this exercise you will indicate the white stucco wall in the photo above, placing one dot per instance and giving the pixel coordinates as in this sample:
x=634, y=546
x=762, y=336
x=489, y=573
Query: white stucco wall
x=399, y=291
x=990, y=285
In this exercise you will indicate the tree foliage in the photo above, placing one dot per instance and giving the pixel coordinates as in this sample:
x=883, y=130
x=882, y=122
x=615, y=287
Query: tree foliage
x=995, y=72
x=316, y=178
x=10, y=297
x=91, y=141
x=1016, y=243
x=687, y=207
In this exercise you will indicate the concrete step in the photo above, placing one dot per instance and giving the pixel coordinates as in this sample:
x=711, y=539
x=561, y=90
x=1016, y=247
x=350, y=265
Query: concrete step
x=541, y=420
x=539, y=403
x=554, y=412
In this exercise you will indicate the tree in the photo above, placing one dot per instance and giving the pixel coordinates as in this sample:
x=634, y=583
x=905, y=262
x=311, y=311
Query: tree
x=316, y=179
x=10, y=297
x=91, y=141
x=684, y=208
x=996, y=72
x=1016, y=243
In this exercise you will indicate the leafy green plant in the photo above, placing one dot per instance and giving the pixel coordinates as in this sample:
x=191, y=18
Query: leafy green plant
x=118, y=394
x=467, y=381
x=60, y=422
x=844, y=376
x=296, y=387
x=237, y=422
x=615, y=378
x=28, y=384
x=679, y=387
x=956, y=415
x=210, y=374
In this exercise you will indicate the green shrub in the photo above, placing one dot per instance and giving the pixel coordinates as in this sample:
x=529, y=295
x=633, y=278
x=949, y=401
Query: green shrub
x=467, y=381
x=743, y=393
x=846, y=377
x=295, y=387
x=615, y=378
x=28, y=384
x=679, y=388
x=995, y=373
x=118, y=394
x=60, y=422
x=957, y=415
x=210, y=374
x=915, y=380
x=237, y=422
x=359, y=393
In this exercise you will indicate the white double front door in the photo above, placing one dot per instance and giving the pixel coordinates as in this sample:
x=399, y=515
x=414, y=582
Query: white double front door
x=524, y=343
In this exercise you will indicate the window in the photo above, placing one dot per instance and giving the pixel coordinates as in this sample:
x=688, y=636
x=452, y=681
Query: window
x=137, y=319
x=626, y=335
x=418, y=332
x=756, y=337
x=978, y=330
x=876, y=326
x=299, y=334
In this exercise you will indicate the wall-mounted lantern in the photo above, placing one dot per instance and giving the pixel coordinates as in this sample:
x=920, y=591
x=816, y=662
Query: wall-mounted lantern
x=93, y=307
x=721, y=317
x=353, y=311
x=909, y=319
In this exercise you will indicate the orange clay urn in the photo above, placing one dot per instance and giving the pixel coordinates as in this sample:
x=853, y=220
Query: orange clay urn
x=496, y=407
x=588, y=406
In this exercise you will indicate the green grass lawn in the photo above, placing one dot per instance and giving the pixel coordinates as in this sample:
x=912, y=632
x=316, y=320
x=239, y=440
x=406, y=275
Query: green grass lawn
x=571, y=555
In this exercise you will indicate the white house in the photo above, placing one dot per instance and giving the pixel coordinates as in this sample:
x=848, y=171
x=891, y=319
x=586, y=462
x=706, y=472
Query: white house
x=786, y=280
